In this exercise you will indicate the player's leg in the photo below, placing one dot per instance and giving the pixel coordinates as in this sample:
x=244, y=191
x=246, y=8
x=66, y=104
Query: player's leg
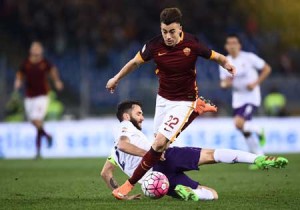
x=200, y=193
x=243, y=122
x=210, y=156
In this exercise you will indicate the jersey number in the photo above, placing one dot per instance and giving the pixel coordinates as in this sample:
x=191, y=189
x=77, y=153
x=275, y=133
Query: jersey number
x=172, y=121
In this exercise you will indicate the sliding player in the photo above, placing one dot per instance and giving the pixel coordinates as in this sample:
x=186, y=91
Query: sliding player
x=131, y=145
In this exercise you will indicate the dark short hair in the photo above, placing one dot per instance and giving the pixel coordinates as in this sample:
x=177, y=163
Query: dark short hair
x=170, y=15
x=232, y=35
x=124, y=107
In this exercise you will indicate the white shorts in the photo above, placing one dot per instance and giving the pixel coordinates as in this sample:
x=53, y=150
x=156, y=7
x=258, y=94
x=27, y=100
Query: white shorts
x=171, y=116
x=36, y=107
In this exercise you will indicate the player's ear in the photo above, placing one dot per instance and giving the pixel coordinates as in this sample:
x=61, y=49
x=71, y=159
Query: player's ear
x=126, y=116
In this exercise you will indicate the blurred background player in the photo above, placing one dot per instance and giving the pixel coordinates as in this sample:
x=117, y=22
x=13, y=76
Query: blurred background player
x=34, y=72
x=246, y=97
x=131, y=145
x=175, y=54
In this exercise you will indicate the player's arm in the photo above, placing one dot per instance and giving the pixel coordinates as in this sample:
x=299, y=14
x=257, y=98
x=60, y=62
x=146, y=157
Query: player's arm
x=18, y=80
x=223, y=61
x=128, y=68
x=55, y=78
x=125, y=146
x=107, y=175
x=265, y=72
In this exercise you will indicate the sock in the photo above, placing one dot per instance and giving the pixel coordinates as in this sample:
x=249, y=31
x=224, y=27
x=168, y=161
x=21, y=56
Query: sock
x=233, y=156
x=149, y=159
x=204, y=194
x=253, y=145
x=44, y=133
x=38, y=142
x=250, y=127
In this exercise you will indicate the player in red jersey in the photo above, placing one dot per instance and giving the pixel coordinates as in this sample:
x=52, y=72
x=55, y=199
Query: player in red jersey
x=175, y=54
x=34, y=71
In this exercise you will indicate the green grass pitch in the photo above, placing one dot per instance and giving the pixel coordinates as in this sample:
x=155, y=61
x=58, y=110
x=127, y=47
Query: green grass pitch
x=76, y=184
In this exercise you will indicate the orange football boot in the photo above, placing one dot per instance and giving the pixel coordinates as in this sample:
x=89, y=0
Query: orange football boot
x=204, y=105
x=121, y=192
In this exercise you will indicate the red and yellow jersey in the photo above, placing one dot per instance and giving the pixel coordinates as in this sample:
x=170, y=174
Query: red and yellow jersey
x=36, y=77
x=175, y=66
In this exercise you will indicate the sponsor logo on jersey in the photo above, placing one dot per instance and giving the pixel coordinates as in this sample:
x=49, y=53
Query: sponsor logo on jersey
x=187, y=51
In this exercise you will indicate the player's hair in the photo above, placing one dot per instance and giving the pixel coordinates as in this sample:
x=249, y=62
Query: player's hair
x=233, y=35
x=171, y=15
x=124, y=107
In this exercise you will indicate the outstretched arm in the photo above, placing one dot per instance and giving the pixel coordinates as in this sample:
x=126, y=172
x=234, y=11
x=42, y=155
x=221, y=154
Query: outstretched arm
x=223, y=61
x=125, y=146
x=266, y=70
x=107, y=175
x=18, y=80
x=128, y=68
x=56, y=79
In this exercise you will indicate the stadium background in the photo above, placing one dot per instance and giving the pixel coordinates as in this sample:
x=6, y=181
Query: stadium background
x=90, y=41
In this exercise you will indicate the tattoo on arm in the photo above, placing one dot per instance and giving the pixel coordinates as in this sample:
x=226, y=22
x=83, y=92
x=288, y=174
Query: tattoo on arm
x=113, y=183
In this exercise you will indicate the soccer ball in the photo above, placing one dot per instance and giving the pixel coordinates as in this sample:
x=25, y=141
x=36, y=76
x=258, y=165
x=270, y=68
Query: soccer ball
x=155, y=185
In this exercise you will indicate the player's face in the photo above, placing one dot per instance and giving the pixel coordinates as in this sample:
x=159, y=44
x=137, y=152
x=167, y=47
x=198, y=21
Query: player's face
x=171, y=33
x=36, y=52
x=137, y=117
x=232, y=46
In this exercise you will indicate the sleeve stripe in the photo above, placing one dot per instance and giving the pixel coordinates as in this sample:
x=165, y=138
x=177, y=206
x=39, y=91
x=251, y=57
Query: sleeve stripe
x=213, y=55
x=139, y=57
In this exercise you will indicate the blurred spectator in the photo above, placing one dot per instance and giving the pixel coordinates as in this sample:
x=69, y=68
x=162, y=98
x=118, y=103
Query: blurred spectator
x=275, y=103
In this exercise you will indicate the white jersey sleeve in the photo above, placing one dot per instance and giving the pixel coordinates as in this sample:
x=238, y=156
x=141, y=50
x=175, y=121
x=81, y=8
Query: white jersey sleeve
x=257, y=62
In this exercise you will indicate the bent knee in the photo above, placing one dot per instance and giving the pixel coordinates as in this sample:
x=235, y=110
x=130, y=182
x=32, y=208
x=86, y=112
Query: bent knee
x=239, y=123
x=160, y=143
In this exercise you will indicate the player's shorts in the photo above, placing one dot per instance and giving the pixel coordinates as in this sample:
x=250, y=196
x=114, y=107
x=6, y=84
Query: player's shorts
x=178, y=160
x=171, y=116
x=246, y=111
x=36, y=107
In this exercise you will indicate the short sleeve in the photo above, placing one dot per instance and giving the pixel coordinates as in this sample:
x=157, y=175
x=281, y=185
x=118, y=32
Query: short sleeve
x=256, y=61
x=146, y=52
x=202, y=50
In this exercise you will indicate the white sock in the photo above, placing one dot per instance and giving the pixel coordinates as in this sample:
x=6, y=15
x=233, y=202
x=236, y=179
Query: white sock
x=233, y=156
x=250, y=127
x=204, y=194
x=253, y=145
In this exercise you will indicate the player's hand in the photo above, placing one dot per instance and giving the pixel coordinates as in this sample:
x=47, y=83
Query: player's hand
x=18, y=84
x=251, y=86
x=230, y=68
x=112, y=84
x=58, y=85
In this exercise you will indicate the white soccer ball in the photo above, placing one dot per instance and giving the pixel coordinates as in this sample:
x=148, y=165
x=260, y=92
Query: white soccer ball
x=155, y=185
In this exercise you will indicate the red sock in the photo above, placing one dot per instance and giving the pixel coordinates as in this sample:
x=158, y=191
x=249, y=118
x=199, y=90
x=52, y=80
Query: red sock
x=44, y=133
x=149, y=159
x=38, y=141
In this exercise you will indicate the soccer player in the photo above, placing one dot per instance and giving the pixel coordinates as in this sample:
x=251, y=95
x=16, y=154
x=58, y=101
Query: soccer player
x=34, y=72
x=175, y=54
x=245, y=90
x=131, y=145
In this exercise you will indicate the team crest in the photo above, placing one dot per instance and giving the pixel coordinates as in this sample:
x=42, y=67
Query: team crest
x=187, y=51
